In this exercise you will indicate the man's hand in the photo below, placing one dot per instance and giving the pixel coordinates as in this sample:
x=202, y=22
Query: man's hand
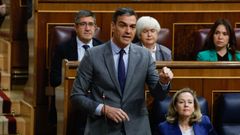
x=115, y=114
x=166, y=75
x=3, y=9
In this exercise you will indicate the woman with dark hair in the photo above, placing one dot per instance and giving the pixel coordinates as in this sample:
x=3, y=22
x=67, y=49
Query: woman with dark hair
x=220, y=44
x=184, y=116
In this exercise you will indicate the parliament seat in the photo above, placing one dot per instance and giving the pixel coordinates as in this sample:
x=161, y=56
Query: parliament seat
x=60, y=34
x=226, y=116
x=164, y=38
x=201, y=35
x=160, y=109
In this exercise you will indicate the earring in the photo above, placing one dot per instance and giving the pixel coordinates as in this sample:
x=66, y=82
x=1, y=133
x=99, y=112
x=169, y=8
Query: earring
x=228, y=46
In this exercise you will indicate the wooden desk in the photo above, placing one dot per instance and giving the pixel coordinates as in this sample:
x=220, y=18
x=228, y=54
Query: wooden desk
x=208, y=79
x=70, y=68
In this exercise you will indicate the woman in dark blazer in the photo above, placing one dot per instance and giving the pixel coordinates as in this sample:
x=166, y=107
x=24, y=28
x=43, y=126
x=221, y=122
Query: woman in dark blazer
x=184, y=116
x=220, y=44
x=147, y=32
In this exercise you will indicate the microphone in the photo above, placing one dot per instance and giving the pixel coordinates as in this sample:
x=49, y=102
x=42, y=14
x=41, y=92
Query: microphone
x=104, y=110
x=104, y=107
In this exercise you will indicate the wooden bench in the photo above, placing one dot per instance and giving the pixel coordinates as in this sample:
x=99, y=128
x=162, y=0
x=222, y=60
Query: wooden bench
x=5, y=64
x=69, y=76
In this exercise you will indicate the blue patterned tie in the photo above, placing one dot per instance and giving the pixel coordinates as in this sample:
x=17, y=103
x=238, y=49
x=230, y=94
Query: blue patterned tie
x=85, y=47
x=121, y=70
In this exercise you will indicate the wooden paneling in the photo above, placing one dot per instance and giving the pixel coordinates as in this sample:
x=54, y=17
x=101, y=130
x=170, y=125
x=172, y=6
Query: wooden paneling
x=69, y=76
x=19, y=42
x=184, y=41
x=180, y=17
x=139, y=1
x=214, y=6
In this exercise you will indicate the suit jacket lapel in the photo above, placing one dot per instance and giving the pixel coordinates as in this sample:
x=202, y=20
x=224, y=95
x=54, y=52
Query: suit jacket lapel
x=229, y=56
x=158, y=53
x=108, y=58
x=132, y=58
x=175, y=129
x=213, y=55
x=198, y=130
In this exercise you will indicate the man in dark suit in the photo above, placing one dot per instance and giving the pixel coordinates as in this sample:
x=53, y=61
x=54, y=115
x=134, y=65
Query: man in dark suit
x=73, y=50
x=116, y=73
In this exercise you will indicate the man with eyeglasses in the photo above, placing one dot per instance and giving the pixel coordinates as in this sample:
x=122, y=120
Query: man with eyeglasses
x=73, y=50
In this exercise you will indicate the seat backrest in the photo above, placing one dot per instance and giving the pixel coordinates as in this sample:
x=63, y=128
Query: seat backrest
x=227, y=114
x=160, y=108
x=60, y=34
x=164, y=38
x=201, y=35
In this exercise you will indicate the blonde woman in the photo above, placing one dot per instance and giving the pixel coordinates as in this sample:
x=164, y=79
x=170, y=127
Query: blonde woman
x=184, y=116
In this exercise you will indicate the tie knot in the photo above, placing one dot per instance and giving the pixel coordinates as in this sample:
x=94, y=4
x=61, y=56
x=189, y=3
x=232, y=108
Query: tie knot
x=122, y=51
x=85, y=47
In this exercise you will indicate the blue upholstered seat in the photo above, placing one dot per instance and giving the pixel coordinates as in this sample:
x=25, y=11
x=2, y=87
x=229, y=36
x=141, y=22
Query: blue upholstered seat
x=227, y=114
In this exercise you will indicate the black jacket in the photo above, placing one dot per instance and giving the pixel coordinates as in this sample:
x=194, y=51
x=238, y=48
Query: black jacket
x=66, y=50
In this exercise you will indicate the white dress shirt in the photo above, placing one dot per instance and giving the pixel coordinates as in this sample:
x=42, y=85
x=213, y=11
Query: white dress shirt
x=80, y=48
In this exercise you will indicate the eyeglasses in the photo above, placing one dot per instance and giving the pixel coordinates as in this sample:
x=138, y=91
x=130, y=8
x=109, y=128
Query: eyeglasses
x=84, y=24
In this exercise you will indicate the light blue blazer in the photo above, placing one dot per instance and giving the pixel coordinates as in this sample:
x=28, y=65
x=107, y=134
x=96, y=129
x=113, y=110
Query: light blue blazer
x=202, y=128
x=211, y=55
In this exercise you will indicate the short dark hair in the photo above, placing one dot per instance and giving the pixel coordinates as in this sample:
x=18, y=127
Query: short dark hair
x=123, y=11
x=84, y=13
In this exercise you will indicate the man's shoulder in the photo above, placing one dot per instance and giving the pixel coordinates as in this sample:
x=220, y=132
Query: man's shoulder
x=97, y=42
x=138, y=43
x=101, y=46
x=138, y=47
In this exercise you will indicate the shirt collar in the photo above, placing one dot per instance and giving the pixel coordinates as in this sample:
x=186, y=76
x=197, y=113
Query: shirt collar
x=116, y=49
x=80, y=43
x=153, y=50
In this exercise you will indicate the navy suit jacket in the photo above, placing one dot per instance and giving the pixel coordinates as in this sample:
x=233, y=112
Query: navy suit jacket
x=202, y=128
x=66, y=50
